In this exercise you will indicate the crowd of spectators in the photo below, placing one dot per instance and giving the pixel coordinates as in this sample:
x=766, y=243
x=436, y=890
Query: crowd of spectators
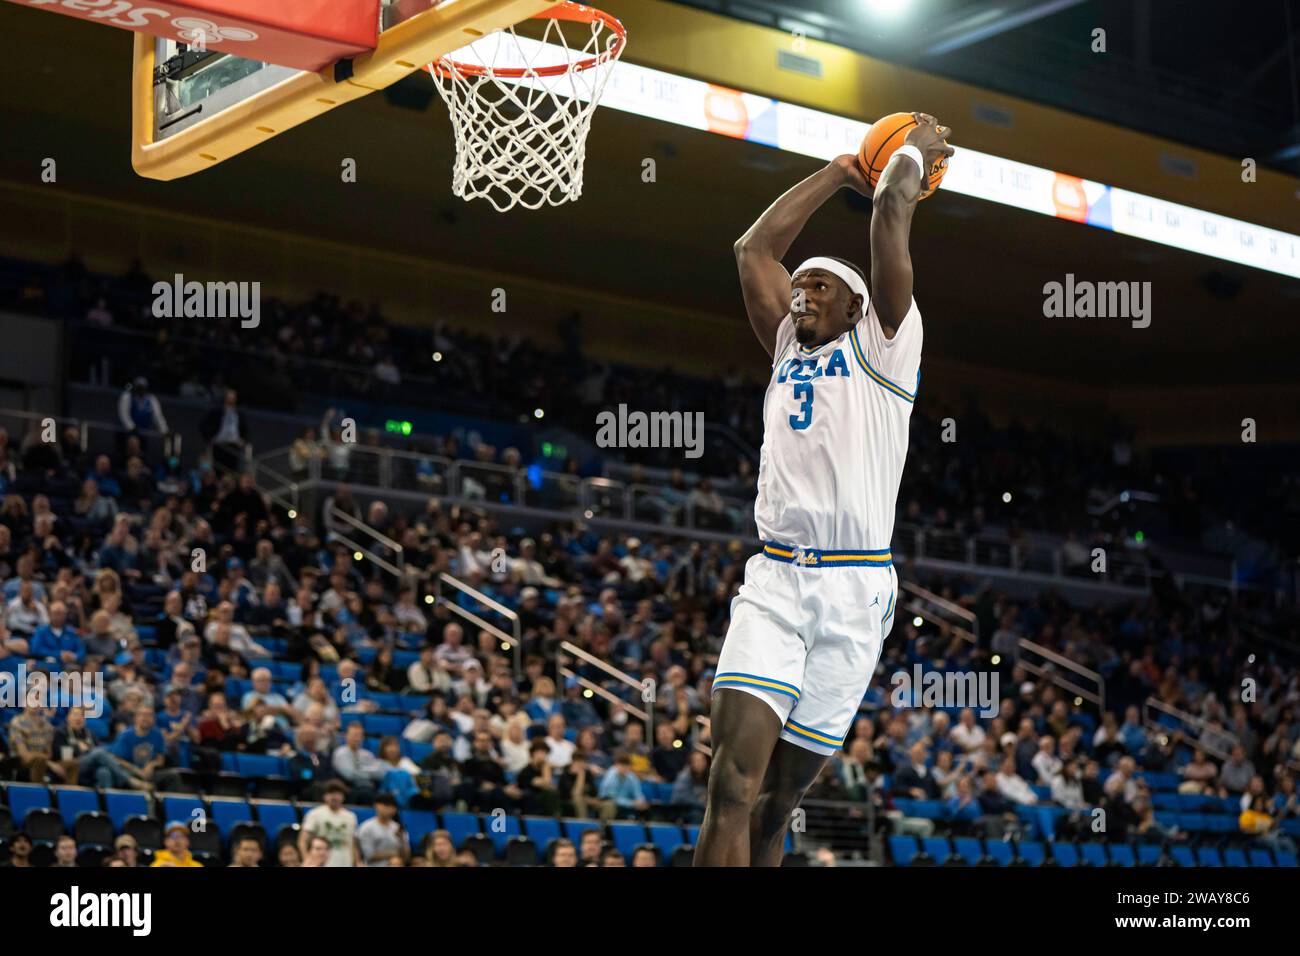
x=307, y=354
x=221, y=626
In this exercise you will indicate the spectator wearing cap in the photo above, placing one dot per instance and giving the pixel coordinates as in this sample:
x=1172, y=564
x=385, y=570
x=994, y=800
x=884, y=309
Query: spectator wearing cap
x=176, y=851
x=333, y=823
x=127, y=850
x=138, y=409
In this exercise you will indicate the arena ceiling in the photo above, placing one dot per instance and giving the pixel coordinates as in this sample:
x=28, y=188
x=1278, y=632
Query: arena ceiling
x=980, y=267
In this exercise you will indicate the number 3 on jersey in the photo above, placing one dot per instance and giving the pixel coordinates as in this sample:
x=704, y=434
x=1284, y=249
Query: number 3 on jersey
x=801, y=421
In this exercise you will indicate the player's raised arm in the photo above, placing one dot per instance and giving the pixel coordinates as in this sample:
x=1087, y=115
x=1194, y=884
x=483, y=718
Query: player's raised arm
x=895, y=200
x=759, y=251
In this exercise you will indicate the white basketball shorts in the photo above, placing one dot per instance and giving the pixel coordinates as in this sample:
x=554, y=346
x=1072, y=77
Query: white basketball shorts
x=806, y=632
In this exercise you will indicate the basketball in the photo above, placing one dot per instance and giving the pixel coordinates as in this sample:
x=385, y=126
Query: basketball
x=885, y=136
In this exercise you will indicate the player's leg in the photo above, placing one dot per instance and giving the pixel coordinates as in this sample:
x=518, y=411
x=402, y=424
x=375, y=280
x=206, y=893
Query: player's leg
x=744, y=731
x=791, y=771
x=754, y=689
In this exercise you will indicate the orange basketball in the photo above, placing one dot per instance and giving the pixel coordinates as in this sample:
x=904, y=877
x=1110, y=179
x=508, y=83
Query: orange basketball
x=885, y=136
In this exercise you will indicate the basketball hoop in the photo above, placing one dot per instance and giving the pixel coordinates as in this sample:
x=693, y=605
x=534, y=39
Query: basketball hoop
x=521, y=108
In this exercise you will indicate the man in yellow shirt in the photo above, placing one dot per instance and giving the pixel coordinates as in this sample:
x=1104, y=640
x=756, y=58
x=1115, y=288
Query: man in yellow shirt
x=177, y=853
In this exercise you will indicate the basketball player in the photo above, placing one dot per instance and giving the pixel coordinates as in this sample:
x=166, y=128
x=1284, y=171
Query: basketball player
x=808, y=623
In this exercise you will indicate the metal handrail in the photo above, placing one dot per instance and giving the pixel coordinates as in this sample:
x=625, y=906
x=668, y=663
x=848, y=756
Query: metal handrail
x=647, y=715
x=516, y=640
x=970, y=634
x=1097, y=697
x=365, y=552
x=1188, y=718
x=368, y=529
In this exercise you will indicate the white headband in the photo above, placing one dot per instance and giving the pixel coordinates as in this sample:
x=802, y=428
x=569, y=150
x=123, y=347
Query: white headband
x=850, y=277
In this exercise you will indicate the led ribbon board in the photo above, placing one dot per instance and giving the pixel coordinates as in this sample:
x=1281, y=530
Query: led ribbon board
x=658, y=95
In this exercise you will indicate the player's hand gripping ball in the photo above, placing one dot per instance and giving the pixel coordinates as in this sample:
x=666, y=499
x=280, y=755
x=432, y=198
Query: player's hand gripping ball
x=892, y=131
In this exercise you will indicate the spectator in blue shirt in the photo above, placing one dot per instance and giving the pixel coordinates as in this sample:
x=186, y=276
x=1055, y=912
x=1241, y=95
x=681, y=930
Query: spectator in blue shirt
x=577, y=710
x=622, y=786
x=142, y=744
x=1132, y=734
x=964, y=807
x=103, y=478
x=56, y=641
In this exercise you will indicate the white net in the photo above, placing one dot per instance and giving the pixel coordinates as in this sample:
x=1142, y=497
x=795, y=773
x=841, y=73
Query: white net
x=521, y=137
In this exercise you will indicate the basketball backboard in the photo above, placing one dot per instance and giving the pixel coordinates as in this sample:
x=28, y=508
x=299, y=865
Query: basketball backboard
x=195, y=105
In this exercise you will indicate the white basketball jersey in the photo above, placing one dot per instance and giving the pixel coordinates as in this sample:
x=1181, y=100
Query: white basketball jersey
x=835, y=433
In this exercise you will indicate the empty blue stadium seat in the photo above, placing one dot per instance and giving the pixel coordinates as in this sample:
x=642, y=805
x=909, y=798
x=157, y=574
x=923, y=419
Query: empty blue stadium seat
x=969, y=849
x=574, y=829
x=1233, y=856
x=385, y=701
x=1148, y=854
x=413, y=703
x=666, y=836
x=627, y=836
x=226, y=812
x=500, y=828
x=927, y=809
x=1093, y=854
x=1284, y=858
x=1123, y=854
x=75, y=800
x=260, y=765
x=1182, y=855
x=1261, y=857
x=1065, y=854
x=1194, y=822
x=418, y=824
x=1000, y=851
x=1208, y=856
x=274, y=815
x=1220, y=823
x=120, y=804
x=183, y=808
x=101, y=728
x=937, y=848
x=404, y=659
x=382, y=725
x=693, y=834
x=903, y=849
x=363, y=813
x=415, y=750
x=24, y=797
x=904, y=806
x=541, y=830
x=459, y=825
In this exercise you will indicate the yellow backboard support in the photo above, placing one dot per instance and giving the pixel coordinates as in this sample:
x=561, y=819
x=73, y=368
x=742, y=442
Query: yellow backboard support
x=401, y=50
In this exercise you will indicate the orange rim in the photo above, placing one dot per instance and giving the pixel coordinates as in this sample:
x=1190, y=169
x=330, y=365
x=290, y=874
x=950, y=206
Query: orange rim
x=568, y=10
